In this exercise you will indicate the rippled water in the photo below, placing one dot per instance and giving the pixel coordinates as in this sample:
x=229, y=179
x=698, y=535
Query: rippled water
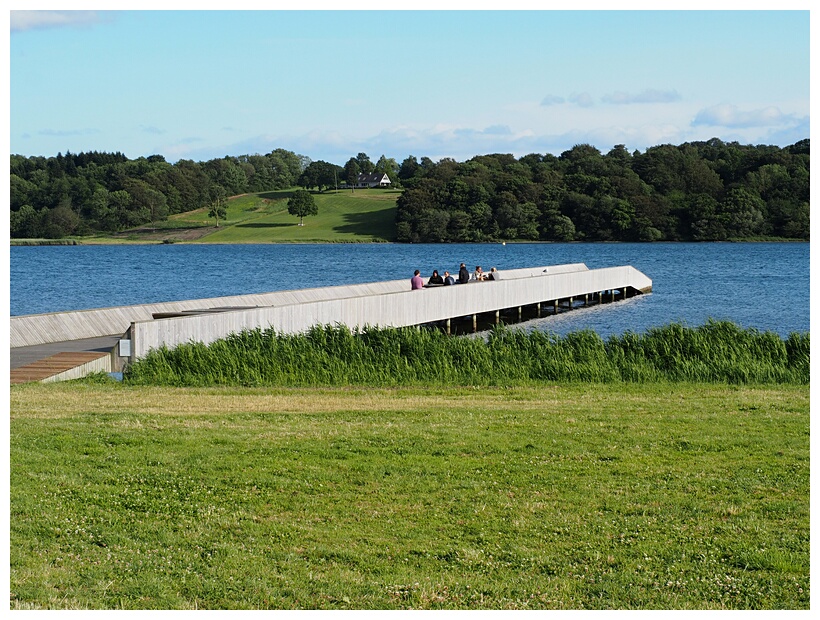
x=760, y=285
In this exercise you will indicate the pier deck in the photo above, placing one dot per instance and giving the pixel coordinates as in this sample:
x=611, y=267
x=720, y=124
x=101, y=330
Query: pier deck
x=386, y=304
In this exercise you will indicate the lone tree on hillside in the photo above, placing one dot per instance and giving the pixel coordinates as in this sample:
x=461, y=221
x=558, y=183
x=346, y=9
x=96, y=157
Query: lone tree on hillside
x=302, y=204
x=219, y=208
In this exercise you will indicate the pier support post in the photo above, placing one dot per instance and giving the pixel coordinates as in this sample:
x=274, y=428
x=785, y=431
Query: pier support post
x=519, y=313
x=538, y=311
x=448, y=326
x=555, y=307
x=475, y=323
x=497, y=316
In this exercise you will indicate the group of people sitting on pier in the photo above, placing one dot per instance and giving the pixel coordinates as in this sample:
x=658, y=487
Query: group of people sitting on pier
x=464, y=276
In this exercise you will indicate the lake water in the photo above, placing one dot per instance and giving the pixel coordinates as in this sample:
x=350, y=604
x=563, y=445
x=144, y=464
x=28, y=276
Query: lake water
x=760, y=285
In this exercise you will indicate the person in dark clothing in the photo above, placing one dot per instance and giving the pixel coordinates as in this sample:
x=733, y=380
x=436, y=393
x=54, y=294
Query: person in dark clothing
x=463, y=274
x=448, y=279
x=435, y=278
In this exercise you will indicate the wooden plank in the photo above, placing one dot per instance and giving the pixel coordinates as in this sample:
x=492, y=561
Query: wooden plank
x=53, y=365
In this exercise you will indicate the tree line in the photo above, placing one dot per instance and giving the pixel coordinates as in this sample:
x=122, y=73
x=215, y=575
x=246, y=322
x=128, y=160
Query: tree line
x=698, y=191
x=107, y=192
x=85, y=193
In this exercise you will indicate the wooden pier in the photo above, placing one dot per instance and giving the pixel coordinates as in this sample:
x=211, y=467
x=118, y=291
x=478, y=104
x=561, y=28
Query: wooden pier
x=519, y=294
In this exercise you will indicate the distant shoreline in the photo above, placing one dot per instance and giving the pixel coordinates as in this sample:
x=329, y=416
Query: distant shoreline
x=47, y=242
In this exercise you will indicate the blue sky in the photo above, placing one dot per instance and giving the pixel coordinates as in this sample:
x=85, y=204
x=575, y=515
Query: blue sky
x=201, y=84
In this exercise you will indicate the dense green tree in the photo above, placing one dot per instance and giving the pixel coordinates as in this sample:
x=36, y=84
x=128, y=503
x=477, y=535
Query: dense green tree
x=742, y=213
x=365, y=165
x=59, y=222
x=556, y=227
x=302, y=204
x=408, y=169
x=22, y=192
x=25, y=223
x=703, y=219
x=388, y=166
x=102, y=216
x=321, y=175
x=514, y=219
x=351, y=172
x=142, y=201
x=287, y=166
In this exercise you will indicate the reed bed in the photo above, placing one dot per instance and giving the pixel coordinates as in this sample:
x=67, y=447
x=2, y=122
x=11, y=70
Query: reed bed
x=716, y=352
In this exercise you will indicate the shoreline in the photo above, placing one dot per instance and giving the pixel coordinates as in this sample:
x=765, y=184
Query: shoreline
x=88, y=242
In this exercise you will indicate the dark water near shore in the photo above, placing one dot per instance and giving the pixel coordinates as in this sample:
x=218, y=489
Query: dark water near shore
x=760, y=285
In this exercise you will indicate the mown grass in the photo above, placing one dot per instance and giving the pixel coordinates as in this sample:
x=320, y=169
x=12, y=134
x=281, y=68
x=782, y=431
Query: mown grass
x=572, y=496
x=344, y=216
x=716, y=352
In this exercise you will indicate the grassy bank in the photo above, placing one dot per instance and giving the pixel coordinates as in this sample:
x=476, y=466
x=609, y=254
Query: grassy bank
x=718, y=352
x=345, y=216
x=561, y=497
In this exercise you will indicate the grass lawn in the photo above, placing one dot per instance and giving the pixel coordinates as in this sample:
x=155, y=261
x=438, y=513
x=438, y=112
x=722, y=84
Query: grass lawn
x=660, y=496
x=344, y=216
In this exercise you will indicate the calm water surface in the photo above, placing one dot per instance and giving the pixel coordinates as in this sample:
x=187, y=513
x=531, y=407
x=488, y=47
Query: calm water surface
x=760, y=285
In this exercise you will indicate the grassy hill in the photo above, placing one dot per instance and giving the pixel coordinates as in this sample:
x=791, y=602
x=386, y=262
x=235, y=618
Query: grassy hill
x=344, y=216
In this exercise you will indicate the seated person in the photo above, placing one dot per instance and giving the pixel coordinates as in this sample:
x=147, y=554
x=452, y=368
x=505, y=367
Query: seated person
x=435, y=278
x=448, y=279
x=478, y=274
x=494, y=274
x=463, y=274
x=416, y=283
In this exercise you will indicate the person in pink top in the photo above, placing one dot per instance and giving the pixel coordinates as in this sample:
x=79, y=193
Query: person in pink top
x=416, y=282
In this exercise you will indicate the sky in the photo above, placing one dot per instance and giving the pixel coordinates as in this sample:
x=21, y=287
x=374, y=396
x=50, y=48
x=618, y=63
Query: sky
x=193, y=84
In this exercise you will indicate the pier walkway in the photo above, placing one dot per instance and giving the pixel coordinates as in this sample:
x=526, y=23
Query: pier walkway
x=127, y=333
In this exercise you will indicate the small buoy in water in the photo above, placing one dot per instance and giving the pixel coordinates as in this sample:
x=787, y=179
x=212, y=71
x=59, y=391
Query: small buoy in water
x=503, y=243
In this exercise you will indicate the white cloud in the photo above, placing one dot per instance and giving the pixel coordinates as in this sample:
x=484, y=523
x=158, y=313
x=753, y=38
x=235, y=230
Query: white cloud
x=68, y=132
x=727, y=115
x=789, y=135
x=647, y=96
x=583, y=100
x=36, y=20
x=551, y=100
x=493, y=130
x=498, y=130
x=633, y=126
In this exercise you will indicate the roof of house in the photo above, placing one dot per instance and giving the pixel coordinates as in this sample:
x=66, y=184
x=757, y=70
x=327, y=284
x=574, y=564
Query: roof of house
x=373, y=177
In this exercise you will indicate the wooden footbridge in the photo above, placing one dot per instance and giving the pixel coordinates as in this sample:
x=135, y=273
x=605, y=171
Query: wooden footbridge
x=44, y=347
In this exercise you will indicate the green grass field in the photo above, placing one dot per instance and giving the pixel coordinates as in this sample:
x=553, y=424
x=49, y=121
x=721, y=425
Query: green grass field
x=570, y=496
x=344, y=216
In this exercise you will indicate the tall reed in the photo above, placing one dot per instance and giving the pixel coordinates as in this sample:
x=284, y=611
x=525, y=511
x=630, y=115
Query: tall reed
x=716, y=352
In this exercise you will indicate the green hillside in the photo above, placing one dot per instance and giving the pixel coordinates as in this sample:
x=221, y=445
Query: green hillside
x=344, y=216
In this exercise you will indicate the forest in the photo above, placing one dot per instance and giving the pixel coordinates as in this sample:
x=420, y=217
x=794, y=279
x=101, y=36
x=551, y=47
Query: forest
x=697, y=191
